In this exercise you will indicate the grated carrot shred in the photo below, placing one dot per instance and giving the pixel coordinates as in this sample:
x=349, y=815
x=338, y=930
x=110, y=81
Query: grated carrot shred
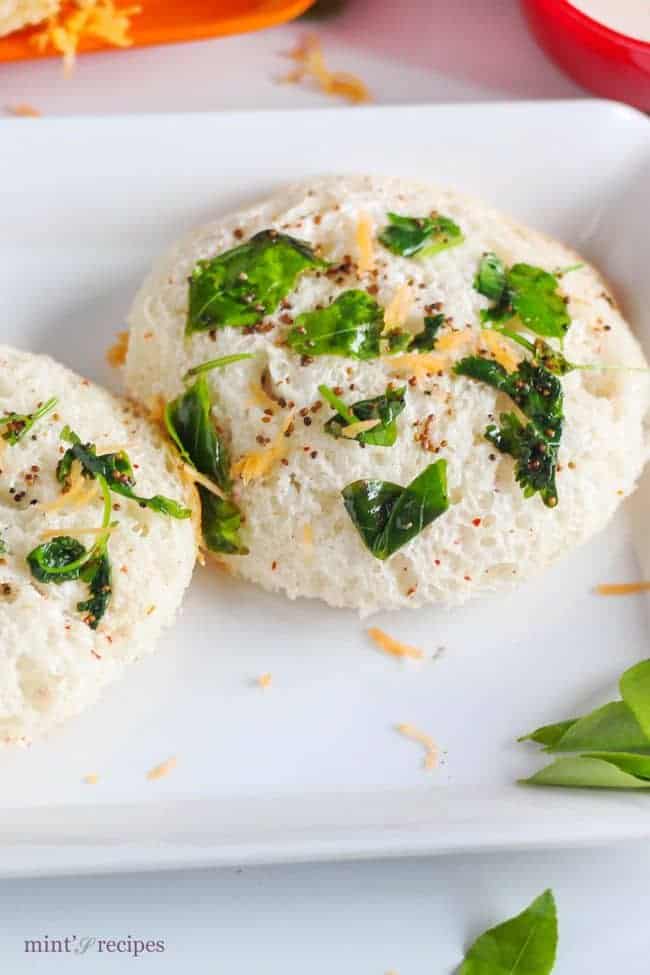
x=307, y=536
x=91, y=779
x=392, y=646
x=431, y=756
x=23, y=110
x=622, y=588
x=452, y=340
x=193, y=475
x=365, y=252
x=73, y=532
x=361, y=426
x=261, y=398
x=117, y=352
x=258, y=463
x=500, y=350
x=398, y=308
x=416, y=364
x=310, y=64
x=265, y=680
x=81, y=20
x=77, y=487
x=160, y=771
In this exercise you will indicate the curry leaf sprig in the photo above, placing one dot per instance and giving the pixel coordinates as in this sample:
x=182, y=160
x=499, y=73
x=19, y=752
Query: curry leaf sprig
x=237, y=288
x=189, y=422
x=533, y=445
x=64, y=559
x=523, y=291
x=525, y=945
x=420, y=236
x=614, y=741
x=116, y=470
x=353, y=325
x=383, y=410
x=387, y=516
x=14, y=426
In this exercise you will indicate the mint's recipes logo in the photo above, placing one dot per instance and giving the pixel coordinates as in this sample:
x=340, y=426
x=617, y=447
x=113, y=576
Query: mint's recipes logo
x=73, y=945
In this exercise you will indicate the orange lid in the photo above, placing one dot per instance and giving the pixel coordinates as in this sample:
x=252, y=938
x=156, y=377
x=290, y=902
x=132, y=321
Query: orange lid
x=170, y=21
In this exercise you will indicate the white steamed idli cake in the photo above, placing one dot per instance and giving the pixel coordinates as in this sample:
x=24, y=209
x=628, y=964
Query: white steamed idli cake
x=482, y=456
x=77, y=602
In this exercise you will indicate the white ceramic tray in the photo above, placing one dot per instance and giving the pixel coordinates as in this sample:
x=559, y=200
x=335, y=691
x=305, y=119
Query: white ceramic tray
x=312, y=768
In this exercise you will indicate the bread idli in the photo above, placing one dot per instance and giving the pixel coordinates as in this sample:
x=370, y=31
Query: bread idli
x=491, y=456
x=62, y=639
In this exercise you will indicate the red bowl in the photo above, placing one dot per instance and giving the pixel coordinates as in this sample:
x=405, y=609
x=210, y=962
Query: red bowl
x=608, y=63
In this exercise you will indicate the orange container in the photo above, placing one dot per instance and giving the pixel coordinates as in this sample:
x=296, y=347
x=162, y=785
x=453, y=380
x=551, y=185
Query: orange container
x=170, y=21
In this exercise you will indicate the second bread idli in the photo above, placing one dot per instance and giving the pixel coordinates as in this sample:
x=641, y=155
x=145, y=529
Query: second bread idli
x=62, y=640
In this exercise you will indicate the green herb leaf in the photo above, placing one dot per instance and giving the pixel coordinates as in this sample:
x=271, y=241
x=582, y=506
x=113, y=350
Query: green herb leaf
x=224, y=360
x=3, y=546
x=116, y=470
x=586, y=772
x=353, y=326
x=524, y=291
x=189, y=423
x=635, y=691
x=220, y=524
x=612, y=727
x=524, y=945
x=14, y=426
x=549, y=734
x=350, y=326
x=425, y=340
x=97, y=573
x=59, y=560
x=385, y=408
x=64, y=559
x=421, y=236
x=388, y=516
x=535, y=456
x=242, y=285
x=191, y=427
x=535, y=445
x=490, y=279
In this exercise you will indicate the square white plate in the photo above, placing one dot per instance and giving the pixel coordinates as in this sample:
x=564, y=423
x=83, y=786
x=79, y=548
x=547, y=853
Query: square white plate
x=312, y=768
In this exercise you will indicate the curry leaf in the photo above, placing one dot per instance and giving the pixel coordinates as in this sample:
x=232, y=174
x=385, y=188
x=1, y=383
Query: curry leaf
x=523, y=291
x=353, y=325
x=384, y=408
x=421, y=236
x=388, y=516
x=97, y=573
x=612, y=727
x=425, y=340
x=635, y=691
x=350, y=326
x=534, y=445
x=14, y=426
x=535, y=456
x=524, y=945
x=490, y=279
x=64, y=559
x=60, y=560
x=220, y=524
x=189, y=423
x=117, y=472
x=191, y=427
x=587, y=772
x=247, y=282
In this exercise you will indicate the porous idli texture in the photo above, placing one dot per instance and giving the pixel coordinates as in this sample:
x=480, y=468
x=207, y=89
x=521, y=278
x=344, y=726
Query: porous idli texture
x=52, y=663
x=300, y=537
